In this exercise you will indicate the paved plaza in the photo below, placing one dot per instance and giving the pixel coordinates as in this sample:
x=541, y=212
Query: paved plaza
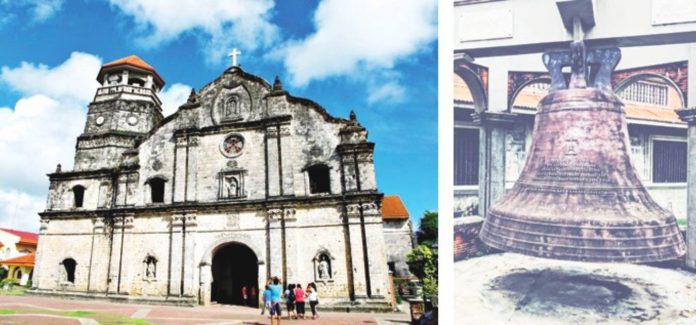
x=42, y=310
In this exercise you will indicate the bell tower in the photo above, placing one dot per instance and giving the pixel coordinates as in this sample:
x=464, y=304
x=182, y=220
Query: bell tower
x=124, y=108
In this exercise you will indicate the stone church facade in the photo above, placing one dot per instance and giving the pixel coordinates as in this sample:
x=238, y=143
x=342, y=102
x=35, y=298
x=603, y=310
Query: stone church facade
x=244, y=182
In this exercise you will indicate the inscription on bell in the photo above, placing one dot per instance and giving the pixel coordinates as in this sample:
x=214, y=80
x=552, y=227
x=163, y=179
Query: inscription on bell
x=571, y=171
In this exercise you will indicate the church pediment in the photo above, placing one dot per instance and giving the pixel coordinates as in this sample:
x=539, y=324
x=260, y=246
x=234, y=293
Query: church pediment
x=234, y=97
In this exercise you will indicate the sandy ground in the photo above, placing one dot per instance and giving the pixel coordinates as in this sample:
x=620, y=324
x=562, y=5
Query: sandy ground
x=516, y=289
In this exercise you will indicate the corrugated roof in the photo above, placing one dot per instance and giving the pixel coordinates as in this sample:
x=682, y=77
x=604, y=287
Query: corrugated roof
x=24, y=260
x=393, y=208
x=25, y=237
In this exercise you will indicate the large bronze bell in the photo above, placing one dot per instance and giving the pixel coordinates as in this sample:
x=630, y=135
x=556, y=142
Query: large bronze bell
x=578, y=196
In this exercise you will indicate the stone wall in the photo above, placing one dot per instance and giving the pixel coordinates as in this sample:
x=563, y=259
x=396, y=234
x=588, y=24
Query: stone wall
x=398, y=238
x=119, y=229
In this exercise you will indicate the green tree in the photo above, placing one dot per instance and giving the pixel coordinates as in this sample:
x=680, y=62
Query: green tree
x=422, y=262
x=427, y=231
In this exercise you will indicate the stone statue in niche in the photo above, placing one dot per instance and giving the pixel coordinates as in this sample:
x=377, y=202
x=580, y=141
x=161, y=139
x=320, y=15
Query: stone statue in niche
x=232, y=186
x=231, y=107
x=150, y=267
x=324, y=267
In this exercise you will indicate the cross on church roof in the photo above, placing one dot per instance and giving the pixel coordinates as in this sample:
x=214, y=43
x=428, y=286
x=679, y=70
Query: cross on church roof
x=234, y=54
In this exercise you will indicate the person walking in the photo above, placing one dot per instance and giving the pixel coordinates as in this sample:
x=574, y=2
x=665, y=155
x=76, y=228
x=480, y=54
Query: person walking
x=267, y=295
x=300, y=301
x=290, y=300
x=313, y=298
x=245, y=300
x=276, y=301
x=253, y=301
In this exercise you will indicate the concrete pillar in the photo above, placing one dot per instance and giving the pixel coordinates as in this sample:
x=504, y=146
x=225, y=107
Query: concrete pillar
x=148, y=83
x=493, y=129
x=689, y=116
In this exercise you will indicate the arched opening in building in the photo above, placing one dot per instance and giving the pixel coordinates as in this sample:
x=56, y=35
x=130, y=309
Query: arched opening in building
x=527, y=97
x=79, y=194
x=18, y=273
x=136, y=82
x=157, y=190
x=235, y=266
x=319, y=179
x=69, y=265
x=660, y=158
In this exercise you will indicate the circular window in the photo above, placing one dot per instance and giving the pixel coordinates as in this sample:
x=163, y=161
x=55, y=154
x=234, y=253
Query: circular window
x=132, y=120
x=232, y=146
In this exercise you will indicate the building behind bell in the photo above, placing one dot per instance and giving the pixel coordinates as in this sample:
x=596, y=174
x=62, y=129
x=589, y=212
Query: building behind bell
x=244, y=182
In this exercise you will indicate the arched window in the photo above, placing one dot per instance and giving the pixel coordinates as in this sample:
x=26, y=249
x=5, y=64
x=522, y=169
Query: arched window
x=69, y=266
x=79, y=194
x=157, y=190
x=319, y=179
x=150, y=264
x=18, y=273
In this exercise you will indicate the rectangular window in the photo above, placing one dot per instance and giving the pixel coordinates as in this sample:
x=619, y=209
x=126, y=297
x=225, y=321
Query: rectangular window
x=466, y=156
x=669, y=162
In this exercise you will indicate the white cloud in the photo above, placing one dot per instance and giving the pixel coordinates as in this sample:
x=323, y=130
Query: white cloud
x=19, y=210
x=41, y=129
x=390, y=91
x=73, y=80
x=39, y=133
x=354, y=37
x=40, y=10
x=44, y=9
x=240, y=23
x=174, y=96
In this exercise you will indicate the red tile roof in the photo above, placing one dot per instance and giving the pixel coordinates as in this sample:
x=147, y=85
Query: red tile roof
x=24, y=236
x=393, y=208
x=133, y=61
x=24, y=260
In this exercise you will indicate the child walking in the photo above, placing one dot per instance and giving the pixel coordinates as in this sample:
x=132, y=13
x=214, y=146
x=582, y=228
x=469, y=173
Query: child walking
x=266, y=300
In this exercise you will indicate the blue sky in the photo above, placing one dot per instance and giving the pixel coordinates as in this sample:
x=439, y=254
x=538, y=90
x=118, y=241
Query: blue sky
x=378, y=58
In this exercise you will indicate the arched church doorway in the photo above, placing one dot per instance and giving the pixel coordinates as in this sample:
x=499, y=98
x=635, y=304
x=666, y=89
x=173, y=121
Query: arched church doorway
x=234, y=267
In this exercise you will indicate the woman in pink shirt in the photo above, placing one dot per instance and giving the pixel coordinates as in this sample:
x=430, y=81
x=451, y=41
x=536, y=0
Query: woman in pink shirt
x=300, y=301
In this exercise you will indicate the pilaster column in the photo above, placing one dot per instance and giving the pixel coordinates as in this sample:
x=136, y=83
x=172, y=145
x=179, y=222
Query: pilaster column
x=356, y=249
x=493, y=129
x=189, y=247
x=176, y=257
x=35, y=281
x=275, y=242
x=205, y=280
x=688, y=115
